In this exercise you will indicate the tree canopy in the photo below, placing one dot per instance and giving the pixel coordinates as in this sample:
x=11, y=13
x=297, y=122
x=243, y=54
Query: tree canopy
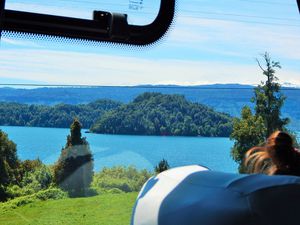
x=60, y=115
x=248, y=131
x=252, y=130
x=268, y=97
x=163, y=114
x=8, y=164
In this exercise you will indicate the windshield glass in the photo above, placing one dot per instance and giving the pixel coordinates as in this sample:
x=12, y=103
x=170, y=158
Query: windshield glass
x=119, y=114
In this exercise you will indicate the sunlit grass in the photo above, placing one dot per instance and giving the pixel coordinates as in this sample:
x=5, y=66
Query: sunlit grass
x=106, y=209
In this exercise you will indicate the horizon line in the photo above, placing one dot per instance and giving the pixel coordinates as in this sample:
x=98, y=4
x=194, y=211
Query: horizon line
x=196, y=86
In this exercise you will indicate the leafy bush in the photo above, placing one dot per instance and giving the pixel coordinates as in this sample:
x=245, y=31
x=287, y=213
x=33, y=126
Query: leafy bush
x=24, y=200
x=39, y=179
x=34, y=177
x=120, y=179
x=115, y=191
x=51, y=193
x=124, y=184
x=15, y=191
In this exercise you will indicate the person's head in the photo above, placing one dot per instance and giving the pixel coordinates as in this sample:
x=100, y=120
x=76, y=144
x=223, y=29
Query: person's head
x=277, y=156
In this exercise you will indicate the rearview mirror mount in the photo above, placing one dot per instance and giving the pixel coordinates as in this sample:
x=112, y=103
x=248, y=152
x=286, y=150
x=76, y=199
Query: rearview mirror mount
x=105, y=26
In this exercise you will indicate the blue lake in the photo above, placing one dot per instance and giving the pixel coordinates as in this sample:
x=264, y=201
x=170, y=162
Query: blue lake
x=140, y=151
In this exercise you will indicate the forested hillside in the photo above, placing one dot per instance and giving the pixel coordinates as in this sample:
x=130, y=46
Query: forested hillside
x=161, y=114
x=228, y=98
x=61, y=115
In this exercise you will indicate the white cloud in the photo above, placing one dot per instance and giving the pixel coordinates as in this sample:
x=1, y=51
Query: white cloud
x=236, y=38
x=231, y=47
x=95, y=69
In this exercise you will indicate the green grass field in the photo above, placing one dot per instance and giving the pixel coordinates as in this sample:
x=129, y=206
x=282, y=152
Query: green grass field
x=106, y=209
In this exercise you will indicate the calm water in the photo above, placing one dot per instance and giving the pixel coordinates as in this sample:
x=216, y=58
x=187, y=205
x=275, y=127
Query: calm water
x=111, y=150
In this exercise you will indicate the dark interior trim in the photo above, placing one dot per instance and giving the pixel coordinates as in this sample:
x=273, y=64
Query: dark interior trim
x=105, y=26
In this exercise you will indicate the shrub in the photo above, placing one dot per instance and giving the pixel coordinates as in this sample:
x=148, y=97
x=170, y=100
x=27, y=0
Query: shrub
x=15, y=191
x=35, y=176
x=24, y=200
x=38, y=178
x=115, y=191
x=51, y=193
x=124, y=185
x=125, y=179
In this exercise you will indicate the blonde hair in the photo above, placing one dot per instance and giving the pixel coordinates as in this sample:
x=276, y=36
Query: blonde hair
x=277, y=156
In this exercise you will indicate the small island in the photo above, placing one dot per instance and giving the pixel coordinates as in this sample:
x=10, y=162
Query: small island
x=164, y=115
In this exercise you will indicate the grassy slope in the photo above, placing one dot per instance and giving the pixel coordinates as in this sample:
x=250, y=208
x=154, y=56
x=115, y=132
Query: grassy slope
x=108, y=209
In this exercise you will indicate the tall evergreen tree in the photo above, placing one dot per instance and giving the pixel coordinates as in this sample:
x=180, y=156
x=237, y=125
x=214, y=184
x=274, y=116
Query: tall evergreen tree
x=252, y=130
x=75, y=137
x=268, y=97
x=73, y=171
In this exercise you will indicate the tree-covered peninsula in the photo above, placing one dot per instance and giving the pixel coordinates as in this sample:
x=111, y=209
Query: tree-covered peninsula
x=163, y=114
x=60, y=115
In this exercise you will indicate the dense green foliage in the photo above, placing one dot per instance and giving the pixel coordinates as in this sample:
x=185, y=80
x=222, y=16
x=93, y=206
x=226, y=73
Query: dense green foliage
x=20, y=178
x=35, y=199
x=106, y=209
x=61, y=115
x=8, y=164
x=252, y=130
x=43, y=195
x=161, y=114
x=120, y=179
x=73, y=171
x=34, y=176
x=148, y=114
x=229, y=98
x=248, y=131
x=163, y=165
x=269, y=99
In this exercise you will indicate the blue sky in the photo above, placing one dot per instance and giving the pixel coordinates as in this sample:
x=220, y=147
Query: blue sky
x=210, y=42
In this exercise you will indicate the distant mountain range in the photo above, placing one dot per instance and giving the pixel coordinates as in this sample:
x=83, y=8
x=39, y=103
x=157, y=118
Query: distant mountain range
x=228, y=98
